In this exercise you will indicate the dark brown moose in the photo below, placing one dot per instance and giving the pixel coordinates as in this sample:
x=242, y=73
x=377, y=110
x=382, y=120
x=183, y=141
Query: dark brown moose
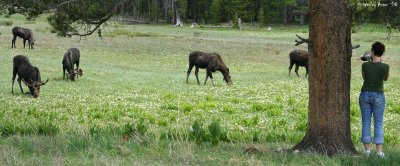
x=29, y=74
x=25, y=34
x=298, y=58
x=209, y=61
x=71, y=57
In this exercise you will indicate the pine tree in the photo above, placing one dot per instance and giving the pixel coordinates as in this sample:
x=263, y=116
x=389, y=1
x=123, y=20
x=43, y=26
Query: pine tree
x=214, y=12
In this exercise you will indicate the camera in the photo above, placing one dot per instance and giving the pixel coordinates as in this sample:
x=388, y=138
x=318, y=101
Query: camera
x=366, y=56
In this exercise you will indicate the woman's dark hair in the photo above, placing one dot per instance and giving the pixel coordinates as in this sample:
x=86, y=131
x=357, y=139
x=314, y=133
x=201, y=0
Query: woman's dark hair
x=378, y=49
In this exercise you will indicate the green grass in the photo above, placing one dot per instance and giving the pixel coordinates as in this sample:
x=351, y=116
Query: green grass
x=132, y=104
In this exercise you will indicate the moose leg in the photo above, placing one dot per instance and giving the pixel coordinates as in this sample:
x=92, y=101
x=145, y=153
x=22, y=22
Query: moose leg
x=13, y=42
x=29, y=44
x=19, y=82
x=12, y=85
x=63, y=72
x=290, y=66
x=296, y=70
x=77, y=69
x=209, y=74
x=306, y=70
x=24, y=42
x=188, y=72
x=196, y=72
x=15, y=70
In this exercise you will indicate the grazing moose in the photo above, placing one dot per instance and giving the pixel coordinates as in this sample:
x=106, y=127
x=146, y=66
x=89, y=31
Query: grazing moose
x=71, y=57
x=27, y=73
x=298, y=58
x=209, y=61
x=25, y=34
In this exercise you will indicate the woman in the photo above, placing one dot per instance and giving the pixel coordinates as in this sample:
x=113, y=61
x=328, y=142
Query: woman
x=372, y=99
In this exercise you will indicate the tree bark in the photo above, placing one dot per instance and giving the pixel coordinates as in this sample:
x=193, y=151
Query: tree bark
x=330, y=50
x=178, y=21
x=285, y=14
x=302, y=19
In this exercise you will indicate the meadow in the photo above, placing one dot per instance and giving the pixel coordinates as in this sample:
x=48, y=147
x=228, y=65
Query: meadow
x=132, y=105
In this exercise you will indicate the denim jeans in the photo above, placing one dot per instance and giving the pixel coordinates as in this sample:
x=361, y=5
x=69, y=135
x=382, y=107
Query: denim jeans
x=372, y=103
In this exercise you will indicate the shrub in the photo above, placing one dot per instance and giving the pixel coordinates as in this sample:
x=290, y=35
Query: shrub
x=6, y=23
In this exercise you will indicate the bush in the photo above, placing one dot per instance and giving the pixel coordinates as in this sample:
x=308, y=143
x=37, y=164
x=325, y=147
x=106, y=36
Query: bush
x=6, y=23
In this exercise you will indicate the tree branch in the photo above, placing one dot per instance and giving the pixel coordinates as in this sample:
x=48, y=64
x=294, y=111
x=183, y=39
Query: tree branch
x=302, y=40
x=98, y=24
x=66, y=2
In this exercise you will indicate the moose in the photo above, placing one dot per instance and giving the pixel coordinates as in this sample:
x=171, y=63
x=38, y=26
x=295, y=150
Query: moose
x=298, y=58
x=209, y=61
x=71, y=57
x=29, y=74
x=25, y=34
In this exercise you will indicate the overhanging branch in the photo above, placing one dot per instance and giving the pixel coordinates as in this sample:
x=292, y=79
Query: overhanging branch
x=98, y=24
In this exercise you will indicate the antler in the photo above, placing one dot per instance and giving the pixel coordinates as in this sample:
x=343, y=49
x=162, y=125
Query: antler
x=44, y=83
x=79, y=72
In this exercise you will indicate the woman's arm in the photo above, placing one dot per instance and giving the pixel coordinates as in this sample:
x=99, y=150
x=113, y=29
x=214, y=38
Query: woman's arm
x=386, y=76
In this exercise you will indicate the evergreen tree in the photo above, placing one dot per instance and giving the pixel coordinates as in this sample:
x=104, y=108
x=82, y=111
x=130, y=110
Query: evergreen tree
x=261, y=17
x=214, y=13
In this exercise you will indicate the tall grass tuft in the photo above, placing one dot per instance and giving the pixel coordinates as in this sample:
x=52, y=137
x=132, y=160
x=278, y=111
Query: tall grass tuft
x=48, y=128
x=215, y=131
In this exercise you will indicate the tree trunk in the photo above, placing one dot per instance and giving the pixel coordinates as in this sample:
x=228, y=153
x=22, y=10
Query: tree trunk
x=329, y=79
x=302, y=19
x=166, y=8
x=285, y=14
x=178, y=21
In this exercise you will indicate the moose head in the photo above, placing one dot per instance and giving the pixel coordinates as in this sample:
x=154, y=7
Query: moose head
x=71, y=74
x=34, y=87
x=227, y=77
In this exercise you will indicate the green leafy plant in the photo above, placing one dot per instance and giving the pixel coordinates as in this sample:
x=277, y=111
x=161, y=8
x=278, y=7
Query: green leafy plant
x=215, y=131
x=197, y=131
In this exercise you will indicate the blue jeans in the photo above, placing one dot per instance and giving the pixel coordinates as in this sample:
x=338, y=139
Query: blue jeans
x=372, y=103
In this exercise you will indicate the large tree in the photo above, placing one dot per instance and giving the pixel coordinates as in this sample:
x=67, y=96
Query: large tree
x=329, y=79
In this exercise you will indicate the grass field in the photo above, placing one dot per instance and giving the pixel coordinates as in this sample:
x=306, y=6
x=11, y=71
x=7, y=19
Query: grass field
x=133, y=107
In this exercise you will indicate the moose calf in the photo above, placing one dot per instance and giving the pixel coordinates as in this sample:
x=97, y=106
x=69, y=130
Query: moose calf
x=71, y=57
x=25, y=34
x=27, y=73
x=209, y=61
